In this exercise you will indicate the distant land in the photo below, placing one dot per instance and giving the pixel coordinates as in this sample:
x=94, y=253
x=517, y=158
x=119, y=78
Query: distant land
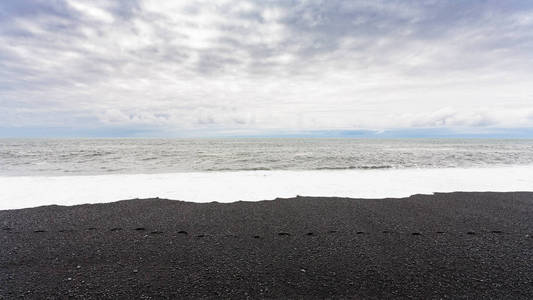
x=61, y=132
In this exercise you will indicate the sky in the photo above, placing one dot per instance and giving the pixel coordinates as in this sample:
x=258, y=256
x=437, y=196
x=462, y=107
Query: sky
x=263, y=68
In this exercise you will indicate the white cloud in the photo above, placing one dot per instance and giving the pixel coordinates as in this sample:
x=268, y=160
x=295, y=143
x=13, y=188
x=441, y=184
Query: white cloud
x=91, y=11
x=255, y=65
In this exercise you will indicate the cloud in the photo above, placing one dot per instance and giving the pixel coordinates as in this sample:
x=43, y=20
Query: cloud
x=91, y=11
x=266, y=65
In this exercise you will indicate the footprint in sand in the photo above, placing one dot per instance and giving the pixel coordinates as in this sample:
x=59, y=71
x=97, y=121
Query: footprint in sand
x=182, y=232
x=140, y=229
x=283, y=234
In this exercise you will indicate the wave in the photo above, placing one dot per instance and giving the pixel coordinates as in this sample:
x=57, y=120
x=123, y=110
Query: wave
x=30, y=191
x=355, y=167
x=239, y=169
x=311, y=169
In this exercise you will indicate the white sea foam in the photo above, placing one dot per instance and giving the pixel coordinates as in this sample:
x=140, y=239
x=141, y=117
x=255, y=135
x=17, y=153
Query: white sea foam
x=30, y=191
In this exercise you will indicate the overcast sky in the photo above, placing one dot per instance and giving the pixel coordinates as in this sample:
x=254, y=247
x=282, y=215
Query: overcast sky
x=232, y=67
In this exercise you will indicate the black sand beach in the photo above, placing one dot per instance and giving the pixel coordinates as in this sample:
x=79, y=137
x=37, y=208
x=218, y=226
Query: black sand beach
x=458, y=245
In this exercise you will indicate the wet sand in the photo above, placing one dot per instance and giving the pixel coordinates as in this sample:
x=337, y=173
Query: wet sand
x=457, y=245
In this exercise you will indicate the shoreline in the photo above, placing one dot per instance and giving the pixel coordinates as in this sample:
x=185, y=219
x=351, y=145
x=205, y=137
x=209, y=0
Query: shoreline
x=228, y=187
x=453, y=245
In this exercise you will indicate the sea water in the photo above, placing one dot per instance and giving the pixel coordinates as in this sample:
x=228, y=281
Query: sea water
x=74, y=171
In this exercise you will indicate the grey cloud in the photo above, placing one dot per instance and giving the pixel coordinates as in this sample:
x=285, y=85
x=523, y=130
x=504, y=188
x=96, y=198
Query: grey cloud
x=328, y=64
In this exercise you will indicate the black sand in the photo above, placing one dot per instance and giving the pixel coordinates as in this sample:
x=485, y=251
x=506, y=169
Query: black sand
x=459, y=245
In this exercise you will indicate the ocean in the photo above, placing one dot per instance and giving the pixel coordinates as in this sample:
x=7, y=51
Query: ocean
x=75, y=171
